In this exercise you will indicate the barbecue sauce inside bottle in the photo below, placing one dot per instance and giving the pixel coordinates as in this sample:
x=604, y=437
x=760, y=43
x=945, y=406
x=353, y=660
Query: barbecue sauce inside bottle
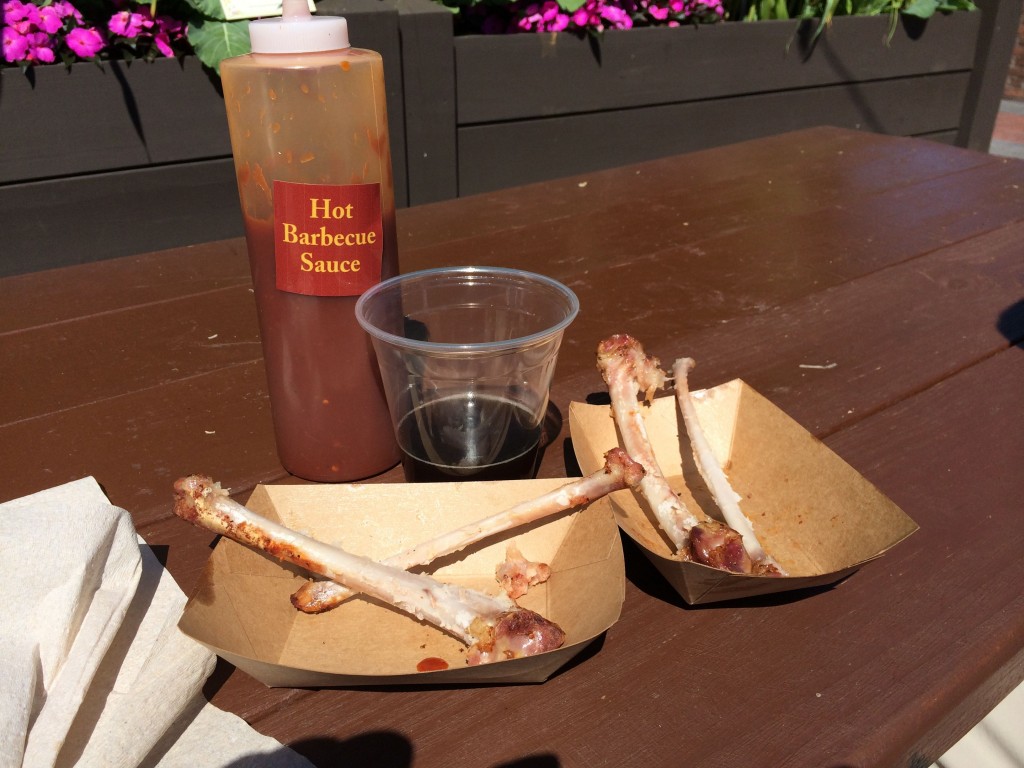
x=306, y=115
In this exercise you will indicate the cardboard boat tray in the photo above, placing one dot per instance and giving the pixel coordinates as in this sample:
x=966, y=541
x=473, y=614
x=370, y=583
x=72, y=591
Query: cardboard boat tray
x=813, y=512
x=241, y=609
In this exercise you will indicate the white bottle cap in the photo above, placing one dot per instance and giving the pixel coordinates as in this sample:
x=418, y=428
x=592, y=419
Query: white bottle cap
x=298, y=31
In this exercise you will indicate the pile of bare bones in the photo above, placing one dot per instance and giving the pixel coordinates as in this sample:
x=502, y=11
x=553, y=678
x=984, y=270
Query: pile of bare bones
x=495, y=628
x=730, y=545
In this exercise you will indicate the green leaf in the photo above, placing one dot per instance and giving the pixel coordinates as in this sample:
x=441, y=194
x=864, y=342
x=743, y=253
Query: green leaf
x=826, y=18
x=209, y=9
x=571, y=5
x=214, y=40
x=871, y=8
x=924, y=9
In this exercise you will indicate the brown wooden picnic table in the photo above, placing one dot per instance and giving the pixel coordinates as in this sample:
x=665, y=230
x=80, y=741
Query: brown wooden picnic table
x=871, y=287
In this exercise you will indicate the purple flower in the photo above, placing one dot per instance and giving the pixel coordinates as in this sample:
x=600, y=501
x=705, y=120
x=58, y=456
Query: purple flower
x=86, y=42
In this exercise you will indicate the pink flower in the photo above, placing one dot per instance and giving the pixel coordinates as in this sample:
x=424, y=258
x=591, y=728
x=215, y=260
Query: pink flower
x=50, y=20
x=16, y=12
x=559, y=23
x=618, y=18
x=86, y=42
x=65, y=9
x=15, y=45
x=40, y=48
x=168, y=31
x=581, y=17
x=162, y=41
x=126, y=23
x=22, y=17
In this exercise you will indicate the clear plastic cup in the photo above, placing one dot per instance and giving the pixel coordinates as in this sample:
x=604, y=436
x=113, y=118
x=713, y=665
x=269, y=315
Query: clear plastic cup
x=466, y=356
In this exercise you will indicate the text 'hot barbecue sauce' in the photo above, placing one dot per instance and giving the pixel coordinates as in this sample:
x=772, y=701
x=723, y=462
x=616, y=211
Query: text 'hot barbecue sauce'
x=308, y=127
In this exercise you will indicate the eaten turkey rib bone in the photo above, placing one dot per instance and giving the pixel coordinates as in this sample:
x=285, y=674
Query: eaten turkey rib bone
x=627, y=370
x=494, y=627
x=714, y=475
x=619, y=471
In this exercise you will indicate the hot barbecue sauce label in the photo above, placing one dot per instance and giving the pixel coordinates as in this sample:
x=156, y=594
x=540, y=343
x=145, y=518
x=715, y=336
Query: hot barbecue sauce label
x=328, y=238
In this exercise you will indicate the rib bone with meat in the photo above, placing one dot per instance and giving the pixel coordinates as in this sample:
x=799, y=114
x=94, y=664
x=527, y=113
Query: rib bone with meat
x=714, y=475
x=494, y=628
x=628, y=370
x=619, y=471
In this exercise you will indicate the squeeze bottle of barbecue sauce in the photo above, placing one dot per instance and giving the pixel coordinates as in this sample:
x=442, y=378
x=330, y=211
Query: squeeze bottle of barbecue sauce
x=309, y=135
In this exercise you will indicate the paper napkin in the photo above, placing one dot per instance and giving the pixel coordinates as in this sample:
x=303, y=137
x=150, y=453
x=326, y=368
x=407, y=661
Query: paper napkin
x=96, y=671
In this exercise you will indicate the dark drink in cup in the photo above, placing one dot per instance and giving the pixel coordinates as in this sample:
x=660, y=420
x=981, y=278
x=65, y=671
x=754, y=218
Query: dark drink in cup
x=469, y=437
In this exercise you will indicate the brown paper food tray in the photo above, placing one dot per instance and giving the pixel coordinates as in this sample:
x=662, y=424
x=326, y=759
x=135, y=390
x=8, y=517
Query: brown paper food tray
x=241, y=608
x=811, y=511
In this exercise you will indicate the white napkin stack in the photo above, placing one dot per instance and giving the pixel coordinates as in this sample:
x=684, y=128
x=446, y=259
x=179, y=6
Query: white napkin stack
x=94, y=670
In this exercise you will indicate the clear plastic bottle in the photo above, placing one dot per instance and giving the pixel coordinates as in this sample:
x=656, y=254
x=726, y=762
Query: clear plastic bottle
x=309, y=135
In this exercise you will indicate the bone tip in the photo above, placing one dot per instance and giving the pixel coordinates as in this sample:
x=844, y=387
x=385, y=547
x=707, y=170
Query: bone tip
x=312, y=597
x=616, y=342
x=189, y=493
x=683, y=366
x=618, y=462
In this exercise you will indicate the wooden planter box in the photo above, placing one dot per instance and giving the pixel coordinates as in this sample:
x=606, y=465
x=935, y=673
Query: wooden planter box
x=106, y=162
x=532, y=107
x=101, y=162
x=118, y=159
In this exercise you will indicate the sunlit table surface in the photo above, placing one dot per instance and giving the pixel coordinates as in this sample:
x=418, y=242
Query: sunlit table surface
x=871, y=287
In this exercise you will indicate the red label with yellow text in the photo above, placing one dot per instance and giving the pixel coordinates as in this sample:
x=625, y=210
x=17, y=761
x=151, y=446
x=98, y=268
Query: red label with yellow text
x=328, y=238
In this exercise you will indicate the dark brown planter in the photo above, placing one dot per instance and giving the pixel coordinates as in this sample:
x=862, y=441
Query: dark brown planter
x=532, y=107
x=120, y=160
x=104, y=161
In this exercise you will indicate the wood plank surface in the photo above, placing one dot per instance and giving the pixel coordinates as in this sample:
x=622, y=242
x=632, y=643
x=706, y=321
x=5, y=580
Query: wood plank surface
x=724, y=187
x=869, y=286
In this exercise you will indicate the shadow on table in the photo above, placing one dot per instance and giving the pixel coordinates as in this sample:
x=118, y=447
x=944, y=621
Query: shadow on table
x=1011, y=323
x=385, y=749
x=381, y=749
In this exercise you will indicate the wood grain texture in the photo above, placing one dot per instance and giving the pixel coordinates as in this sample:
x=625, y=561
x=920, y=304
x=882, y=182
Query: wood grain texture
x=869, y=286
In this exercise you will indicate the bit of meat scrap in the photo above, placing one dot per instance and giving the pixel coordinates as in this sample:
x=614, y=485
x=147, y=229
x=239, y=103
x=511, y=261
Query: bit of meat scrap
x=494, y=628
x=516, y=574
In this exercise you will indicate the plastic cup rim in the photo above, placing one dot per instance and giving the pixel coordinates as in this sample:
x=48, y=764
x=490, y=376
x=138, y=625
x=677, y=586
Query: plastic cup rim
x=480, y=347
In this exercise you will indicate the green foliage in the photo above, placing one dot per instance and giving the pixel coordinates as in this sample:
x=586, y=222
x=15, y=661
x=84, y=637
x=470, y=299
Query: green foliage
x=826, y=10
x=216, y=39
x=212, y=36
